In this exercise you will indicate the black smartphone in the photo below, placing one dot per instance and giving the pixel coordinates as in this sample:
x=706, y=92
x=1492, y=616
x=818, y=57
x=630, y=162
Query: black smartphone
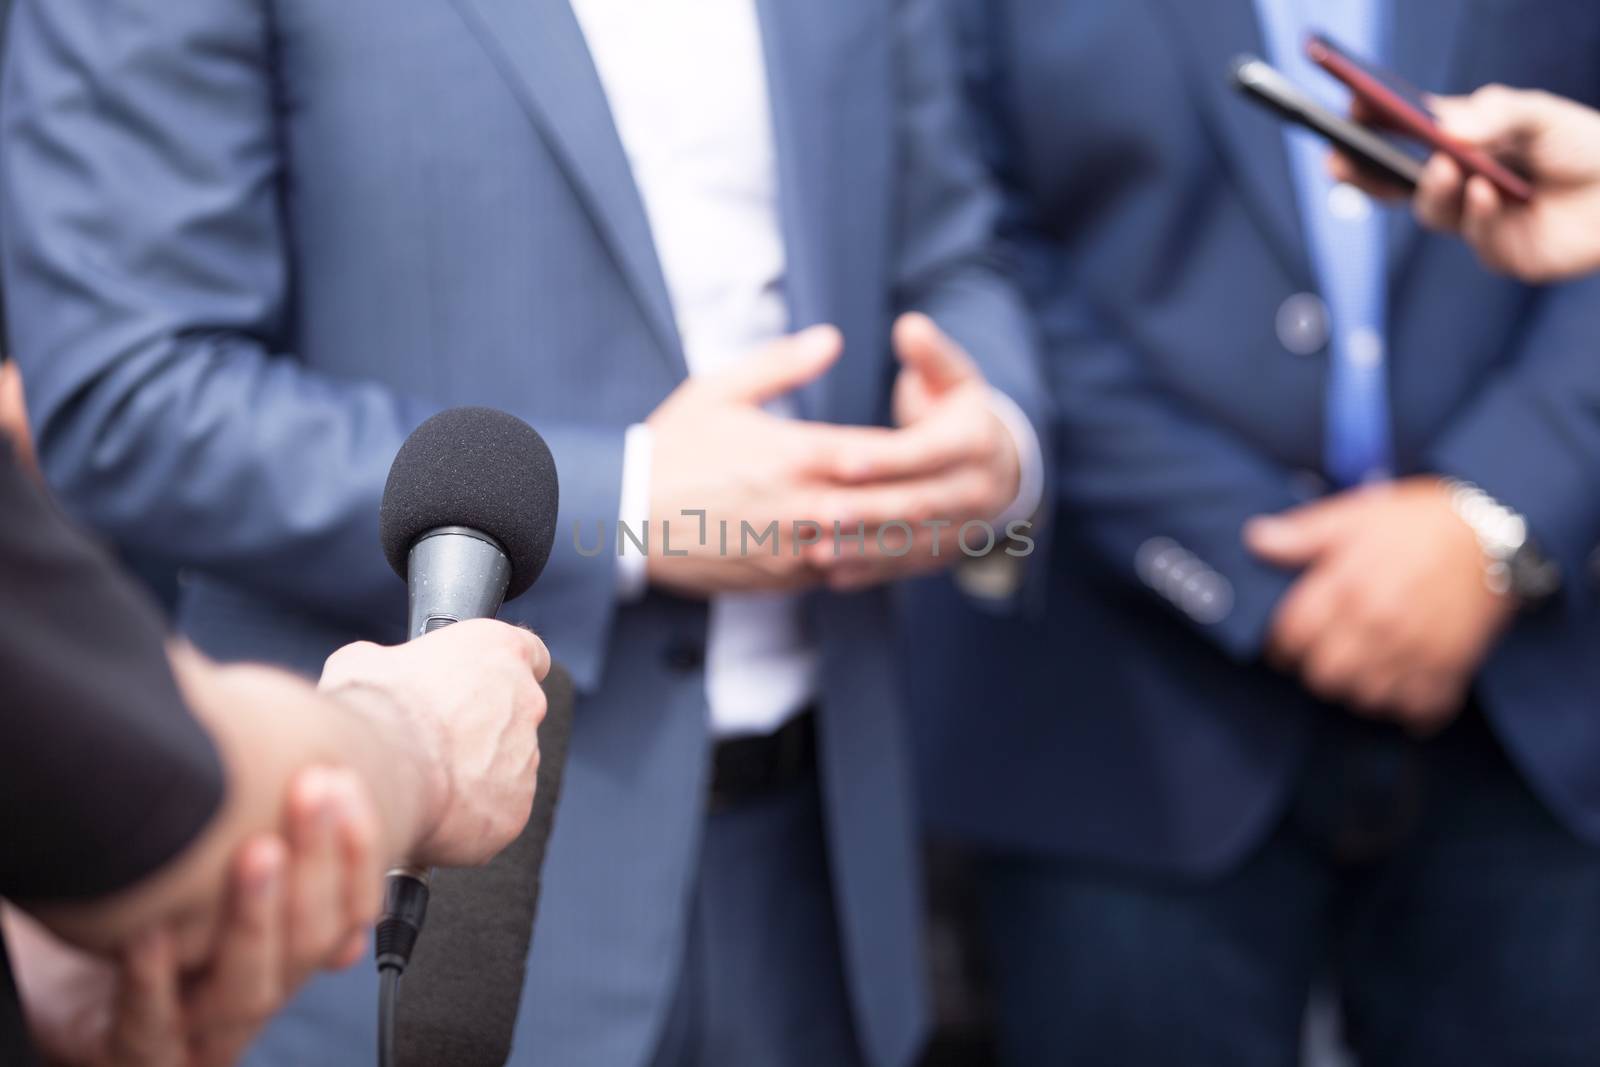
x=1264, y=84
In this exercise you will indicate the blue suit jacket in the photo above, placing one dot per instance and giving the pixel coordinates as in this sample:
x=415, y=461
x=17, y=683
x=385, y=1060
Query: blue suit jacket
x=252, y=243
x=1156, y=217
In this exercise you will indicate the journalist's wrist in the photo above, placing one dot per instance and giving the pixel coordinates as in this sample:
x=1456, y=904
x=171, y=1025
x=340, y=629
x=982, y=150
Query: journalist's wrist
x=411, y=748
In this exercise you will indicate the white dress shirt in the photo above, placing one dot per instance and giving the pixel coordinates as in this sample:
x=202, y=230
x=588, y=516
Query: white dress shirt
x=687, y=86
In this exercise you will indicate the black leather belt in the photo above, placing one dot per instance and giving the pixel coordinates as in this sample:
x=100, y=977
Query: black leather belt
x=747, y=768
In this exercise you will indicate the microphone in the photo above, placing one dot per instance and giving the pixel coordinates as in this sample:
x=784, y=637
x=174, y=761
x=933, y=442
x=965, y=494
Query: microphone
x=468, y=521
x=469, y=515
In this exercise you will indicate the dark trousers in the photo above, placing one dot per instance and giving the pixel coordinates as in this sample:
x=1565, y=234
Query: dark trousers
x=763, y=980
x=1459, y=921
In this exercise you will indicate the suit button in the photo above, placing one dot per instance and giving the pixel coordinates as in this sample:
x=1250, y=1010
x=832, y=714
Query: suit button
x=1208, y=597
x=1303, y=324
x=1155, y=559
x=685, y=656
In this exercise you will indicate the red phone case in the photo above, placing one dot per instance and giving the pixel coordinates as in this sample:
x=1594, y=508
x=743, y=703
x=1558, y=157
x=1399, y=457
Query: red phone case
x=1412, y=119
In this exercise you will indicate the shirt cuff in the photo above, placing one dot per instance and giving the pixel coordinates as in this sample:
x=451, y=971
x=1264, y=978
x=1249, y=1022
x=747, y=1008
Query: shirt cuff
x=634, y=511
x=1030, y=459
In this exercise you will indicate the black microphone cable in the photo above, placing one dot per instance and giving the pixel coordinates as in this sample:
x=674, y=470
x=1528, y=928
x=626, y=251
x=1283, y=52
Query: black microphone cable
x=405, y=906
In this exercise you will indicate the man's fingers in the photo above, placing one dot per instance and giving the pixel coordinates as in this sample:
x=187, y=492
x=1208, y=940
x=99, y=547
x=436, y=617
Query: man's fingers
x=363, y=881
x=1454, y=113
x=316, y=903
x=148, y=1028
x=1376, y=689
x=1334, y=664
x=1306, y=613
x=353, y=952
x=245, y=982
x=895, y=555
x=1493, y=117
x=1483, y=226
x=925, y=349
x=14, y=414
x=1438, y=202
x=537, y=651
x=955, y=434
x=1426, y=703
x=957, y=495
x=1296, y=538
x=780, y=367
x=1481, y=209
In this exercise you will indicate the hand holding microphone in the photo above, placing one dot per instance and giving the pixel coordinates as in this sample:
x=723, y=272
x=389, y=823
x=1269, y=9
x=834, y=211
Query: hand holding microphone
x=426, y=753
x=470, y=696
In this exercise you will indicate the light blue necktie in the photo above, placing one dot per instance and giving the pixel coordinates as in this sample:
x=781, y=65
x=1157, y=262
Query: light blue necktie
x=1346, y=238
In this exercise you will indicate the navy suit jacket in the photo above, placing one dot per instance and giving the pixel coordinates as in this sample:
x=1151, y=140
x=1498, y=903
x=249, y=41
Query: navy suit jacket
x=1155, y=216
x=250, y=244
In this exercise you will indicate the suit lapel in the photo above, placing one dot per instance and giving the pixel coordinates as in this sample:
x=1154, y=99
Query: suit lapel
x=540, y=48
x=1211, y=36
x=1427, y=38
x=792, y=78
x=805, y=49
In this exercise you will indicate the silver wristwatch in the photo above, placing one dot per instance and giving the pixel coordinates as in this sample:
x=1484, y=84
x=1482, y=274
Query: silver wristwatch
x=1514, y=565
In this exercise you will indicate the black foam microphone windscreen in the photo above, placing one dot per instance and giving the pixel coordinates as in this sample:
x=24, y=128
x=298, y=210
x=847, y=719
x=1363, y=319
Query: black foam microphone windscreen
x=476, y=468
x=464, y=983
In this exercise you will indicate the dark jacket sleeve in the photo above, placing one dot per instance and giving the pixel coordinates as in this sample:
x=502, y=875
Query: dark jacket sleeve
x=104, y=774
x=1531, y=439
x=1156, y=490
x=947, y=255
x=1158, y=493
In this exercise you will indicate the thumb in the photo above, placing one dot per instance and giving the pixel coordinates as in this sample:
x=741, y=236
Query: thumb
x=1296, y=538
x=1457, y=115
x=925, y=349
x=1494, y=117
x=782, y=366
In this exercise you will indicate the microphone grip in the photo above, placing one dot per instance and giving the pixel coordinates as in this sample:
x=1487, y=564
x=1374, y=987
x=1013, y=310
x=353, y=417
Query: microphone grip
x=453, y=573
x=405, y=908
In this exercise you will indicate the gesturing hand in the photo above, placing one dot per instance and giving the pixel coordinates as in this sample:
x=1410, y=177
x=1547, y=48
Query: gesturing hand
x=1392, y=614
x=953, y=461
x=722, y=463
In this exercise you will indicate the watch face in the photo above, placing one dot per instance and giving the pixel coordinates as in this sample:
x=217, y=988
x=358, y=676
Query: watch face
x=1534, y=579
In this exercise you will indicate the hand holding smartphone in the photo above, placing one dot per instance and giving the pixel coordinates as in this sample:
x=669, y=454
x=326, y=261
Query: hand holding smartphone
x=1402, y=107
